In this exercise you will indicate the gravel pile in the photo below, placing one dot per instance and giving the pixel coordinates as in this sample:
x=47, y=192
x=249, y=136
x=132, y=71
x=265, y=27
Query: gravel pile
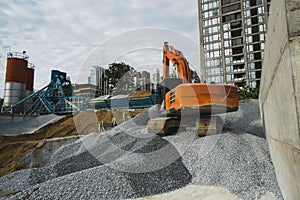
x=104, y=166
x=239, y=163
x=126, y=162
x=41, y=156
x=246, y=119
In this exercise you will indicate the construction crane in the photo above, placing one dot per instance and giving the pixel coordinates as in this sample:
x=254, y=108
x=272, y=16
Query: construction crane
x=186, y=104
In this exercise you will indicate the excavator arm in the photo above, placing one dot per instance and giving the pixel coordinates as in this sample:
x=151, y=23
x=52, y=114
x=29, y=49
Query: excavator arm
x=178, y=60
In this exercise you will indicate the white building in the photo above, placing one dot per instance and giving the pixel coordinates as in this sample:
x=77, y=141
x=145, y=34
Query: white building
x=97, y=78
x=155, y=78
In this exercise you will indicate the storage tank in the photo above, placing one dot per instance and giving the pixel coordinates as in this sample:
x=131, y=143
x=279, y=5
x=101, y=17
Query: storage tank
x=30, y=79
x=15, y=79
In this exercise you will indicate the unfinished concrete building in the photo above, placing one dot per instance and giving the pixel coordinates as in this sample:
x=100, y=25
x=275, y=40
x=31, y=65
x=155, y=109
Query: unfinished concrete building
x=232, y=37
x=143, y=80
x=98, y=78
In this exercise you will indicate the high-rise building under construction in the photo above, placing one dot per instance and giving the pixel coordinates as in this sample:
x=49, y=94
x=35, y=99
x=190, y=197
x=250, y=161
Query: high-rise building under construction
x=232, y=37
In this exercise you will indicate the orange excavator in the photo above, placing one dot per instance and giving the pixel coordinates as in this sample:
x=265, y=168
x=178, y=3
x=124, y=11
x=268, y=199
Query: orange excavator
x=186, y=104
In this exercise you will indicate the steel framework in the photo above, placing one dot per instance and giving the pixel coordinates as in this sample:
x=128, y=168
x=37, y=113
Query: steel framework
x=57, y=98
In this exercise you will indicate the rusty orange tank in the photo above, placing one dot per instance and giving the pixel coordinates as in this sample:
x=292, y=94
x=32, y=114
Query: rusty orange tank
x=15, y=78
x=30, y=79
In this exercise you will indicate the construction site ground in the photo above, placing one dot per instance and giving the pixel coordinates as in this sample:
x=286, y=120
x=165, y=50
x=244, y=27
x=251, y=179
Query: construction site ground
x=70, y=156
x=15, y=144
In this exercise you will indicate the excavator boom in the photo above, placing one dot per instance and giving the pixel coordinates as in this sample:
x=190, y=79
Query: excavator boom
x=177, y=58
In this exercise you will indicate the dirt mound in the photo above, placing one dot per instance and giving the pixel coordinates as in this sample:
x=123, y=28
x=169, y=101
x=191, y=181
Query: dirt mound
x=12, y=153
x=16, y=125
x=14, y=148
x=141, y=93
x=61, y=128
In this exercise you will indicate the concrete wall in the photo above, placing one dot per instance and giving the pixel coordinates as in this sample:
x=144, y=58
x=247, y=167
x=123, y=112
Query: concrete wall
x=280, y=94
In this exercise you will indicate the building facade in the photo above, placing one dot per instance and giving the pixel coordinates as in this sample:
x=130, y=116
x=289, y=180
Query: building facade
x=143, y=80
x=89, y=91
x=155, y=78
x=232, y=39
x=98, y=78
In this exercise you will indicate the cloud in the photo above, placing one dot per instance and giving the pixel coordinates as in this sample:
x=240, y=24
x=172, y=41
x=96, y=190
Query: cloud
x=63, y=34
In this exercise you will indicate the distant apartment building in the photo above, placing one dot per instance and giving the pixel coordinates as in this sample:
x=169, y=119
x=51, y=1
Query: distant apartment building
x=96, y=85
x=143, y=80
x=232, y=37
x=97, y=78
x=88, y=91
x=155, y=78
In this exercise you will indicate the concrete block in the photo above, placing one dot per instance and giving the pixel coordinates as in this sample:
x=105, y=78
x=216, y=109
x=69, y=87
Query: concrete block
x=295, y=58
x=280, y=115
x=280, y=94
x=286, y=160
x=277, y=38
x=293, y=5
x=293, y=19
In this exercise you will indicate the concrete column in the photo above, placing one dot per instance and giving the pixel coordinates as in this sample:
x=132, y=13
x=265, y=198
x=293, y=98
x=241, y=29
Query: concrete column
x=280, y=94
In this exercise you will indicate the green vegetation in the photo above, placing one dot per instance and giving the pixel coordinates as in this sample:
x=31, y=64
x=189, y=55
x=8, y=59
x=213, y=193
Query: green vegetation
x=246, y=92
x=120, y=78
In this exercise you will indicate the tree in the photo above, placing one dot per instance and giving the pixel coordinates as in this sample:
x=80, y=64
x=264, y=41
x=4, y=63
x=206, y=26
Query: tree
x=120, y=78
x=246, y=92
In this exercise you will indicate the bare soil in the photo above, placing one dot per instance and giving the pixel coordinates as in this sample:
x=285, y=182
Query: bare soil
x=14, y=148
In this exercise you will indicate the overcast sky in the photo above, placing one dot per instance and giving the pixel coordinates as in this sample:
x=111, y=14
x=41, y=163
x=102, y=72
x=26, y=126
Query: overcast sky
x=72, y=35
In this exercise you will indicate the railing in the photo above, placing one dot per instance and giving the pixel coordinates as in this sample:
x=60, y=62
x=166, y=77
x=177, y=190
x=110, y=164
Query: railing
x=18, y=55
x=31, y=65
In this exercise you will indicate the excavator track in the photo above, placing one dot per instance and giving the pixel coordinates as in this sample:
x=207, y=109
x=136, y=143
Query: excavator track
x=209, y=125
x=205, y=125
x=163, y=126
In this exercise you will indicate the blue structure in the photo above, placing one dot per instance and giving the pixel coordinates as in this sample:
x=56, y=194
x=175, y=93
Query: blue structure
x=123, y=103
x=57, y=98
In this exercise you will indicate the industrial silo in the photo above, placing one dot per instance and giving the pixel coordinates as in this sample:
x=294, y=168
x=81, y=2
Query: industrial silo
x=30, y=79
x=15, y=79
